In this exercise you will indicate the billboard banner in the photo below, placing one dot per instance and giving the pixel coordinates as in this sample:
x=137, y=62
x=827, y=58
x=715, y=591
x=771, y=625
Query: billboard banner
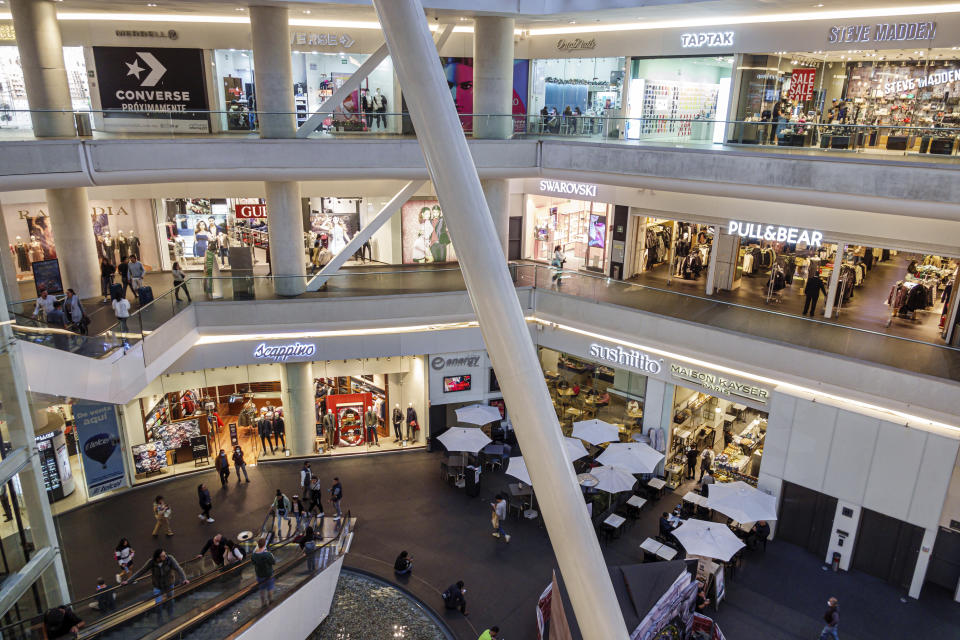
x=98, y=432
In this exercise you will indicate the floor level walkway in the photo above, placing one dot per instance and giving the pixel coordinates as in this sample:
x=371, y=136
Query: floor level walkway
x=402, y=504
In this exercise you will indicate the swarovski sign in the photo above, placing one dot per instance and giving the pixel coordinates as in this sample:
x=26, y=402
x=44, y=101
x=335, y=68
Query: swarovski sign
x=774, y=233
x=569, y=188
x=280, y=352
x=706, y=39
x=627, y=357
x=713, y=382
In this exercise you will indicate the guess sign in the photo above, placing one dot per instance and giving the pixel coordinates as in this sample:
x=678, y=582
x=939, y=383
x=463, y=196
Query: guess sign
x=251, y=211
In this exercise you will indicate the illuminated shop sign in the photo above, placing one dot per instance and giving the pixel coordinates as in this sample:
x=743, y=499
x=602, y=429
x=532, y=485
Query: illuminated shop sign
x=883, y=32
x=932, y=80
x=315, y=39
x=280, y=352
x=706, y=39
x=569, y=188
x=774, y=233
x=719, y=384
x=577, y=44
x=627, y=357
x=470, y=361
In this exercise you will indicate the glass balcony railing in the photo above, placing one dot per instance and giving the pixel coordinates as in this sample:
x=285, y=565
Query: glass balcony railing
x=821, y=334
x=903, y=139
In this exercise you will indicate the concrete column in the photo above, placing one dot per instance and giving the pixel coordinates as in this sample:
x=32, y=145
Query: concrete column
x=300, y=413
x=74, y=240
x=501, y=320
x=44, y=72
x=834, y=281
x=8, y=267
x=273, y=76
x=493, y=77
x=712, y=263
x=497, y=194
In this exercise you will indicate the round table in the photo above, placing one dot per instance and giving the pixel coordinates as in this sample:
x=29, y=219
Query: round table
x=587, y=480
x=246, y=541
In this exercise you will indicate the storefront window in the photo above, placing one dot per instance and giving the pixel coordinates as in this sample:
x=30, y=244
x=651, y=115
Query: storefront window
x=679, y=98
x=579, y=228
x=664, y=250
x=575, y=86
x=334, y=222
x=14, y=109
x=425, y=238
x=191, y=226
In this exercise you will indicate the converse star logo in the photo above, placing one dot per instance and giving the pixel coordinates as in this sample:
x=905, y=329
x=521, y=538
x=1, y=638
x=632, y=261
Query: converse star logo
x=134, y=68
x=156, y=69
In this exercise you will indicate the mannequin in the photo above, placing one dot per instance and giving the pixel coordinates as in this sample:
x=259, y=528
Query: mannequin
x=122, y=246
x=107, y=244
x=23, y=254
x=279, y=430
x=223, y=241
x=412, y=425
x=380, y=107
x=247, y=413
x=397, y=421
x=329, y=429
x=133, y=245
x=265, y=429
x=36, y=250
x=370, y=421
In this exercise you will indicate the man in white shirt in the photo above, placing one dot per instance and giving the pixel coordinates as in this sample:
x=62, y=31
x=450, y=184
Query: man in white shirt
x=44, y=305
x=499, y=508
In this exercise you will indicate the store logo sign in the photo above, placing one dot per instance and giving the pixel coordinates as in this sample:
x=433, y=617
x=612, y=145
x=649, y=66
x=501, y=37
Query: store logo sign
x=569, y=188
x=774, y=233
x=280, y=352
x=627, y=357
x=883, y=32
x=251, y=211
x=438, y=363
x=322, y=39
x=170, y=34
x=153, y=65
x=932, y=80
x=706, y=39
x=713, y=382
x=577, y=44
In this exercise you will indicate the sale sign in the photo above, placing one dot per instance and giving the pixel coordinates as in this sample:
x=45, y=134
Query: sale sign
x=801, y=85
x=251, y=211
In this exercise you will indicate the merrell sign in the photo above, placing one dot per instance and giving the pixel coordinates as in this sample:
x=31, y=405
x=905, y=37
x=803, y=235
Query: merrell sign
x=569, y=188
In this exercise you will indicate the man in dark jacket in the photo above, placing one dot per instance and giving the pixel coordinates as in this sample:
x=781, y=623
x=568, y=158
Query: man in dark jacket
x=164, y=571
x=217, y=546
x=812, y=290
x=455, y=597
x=223, y=467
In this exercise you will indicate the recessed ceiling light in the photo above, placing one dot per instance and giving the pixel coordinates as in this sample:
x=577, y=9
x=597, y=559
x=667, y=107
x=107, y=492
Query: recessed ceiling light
x=818, y=5
x=306, y=11
x=573, y=22
x=151, y=4
x=239, y=8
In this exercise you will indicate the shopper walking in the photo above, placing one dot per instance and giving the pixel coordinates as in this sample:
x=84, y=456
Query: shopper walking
x=222, y=465
x=123, y=554
x=336, y=495
x=707, y=460
x=75, y=313
x=121, y=309
x=123, y=269
x=240, y=463
x=812, y=291
x=135, y=273
x=161, y=512
x=263, y=561
x=306, y=480
x=217, y=546
x=107, y=270
x=499, y=514
x=43, y=306
x=316, y=498
x=180, y=282
x=206, y=502
x=309, y=546
x=557, y=263
x=281, y=508
x=164, y=572
x=691, y=463
x=298, y=512
x=832, y=619
x=455, y=597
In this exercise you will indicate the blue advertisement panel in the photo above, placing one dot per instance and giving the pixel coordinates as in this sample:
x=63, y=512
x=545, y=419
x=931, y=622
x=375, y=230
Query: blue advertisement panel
x=98, y=433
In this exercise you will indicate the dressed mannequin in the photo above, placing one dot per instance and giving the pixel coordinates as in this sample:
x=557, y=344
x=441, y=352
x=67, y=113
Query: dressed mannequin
x=122, y=246
x=265, y=430
x=329, y=428
x=36, y=250
x=247, y=413
x=223, y=241
x=370, y=421
x=107, y=247
x=133, y=244
x=397, y=419
x=380, y=107
x=23, y=254
x=279, y=430
x=413, y=426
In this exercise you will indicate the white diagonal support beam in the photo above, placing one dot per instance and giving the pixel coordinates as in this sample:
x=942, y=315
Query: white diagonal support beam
x=408, y=191
x=353, y=83
x=19, y=583
x=501, y=319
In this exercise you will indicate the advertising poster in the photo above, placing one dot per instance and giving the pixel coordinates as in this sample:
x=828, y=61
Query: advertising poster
x=459, y=73
x=46, y=275
x=801, y=85
x=521, y=79
x=425, y=237
x=150, y=88
x=335, y=221
x=99, y=435
x=597, y=231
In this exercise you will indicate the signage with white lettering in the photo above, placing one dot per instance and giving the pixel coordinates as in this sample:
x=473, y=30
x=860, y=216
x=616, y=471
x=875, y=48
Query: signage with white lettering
x=716, y=383
x=577, y=44
x=128, y=33
x=315, y=39
x=774, y=233
x=569, y=188
x=251, y=210
x=438, y=363
x=627, y=357
x=706, y=39
x=883, y=32
x=938, y=77
x=281, y=352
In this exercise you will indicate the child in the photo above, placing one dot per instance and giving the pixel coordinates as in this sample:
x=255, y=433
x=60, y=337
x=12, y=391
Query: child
x=105, y=600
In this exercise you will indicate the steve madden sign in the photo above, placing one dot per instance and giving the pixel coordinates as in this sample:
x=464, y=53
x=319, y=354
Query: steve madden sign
x=627, y=357
x=706, y=39
x=281, y=352
x=883, y=32
x=774, y=233
x=719, y=384
x=569, y=188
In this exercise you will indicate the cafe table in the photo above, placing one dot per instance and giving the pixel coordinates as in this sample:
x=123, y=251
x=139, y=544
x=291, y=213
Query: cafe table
x=658, y=549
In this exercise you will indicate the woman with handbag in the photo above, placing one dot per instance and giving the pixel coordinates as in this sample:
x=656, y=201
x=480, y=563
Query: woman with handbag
x=161, y=512
x=557, y=263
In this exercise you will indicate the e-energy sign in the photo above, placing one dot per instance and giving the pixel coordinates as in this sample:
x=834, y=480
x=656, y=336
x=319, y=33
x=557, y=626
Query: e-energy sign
x=627, y=357
x=775, y=233
x=281, y=352
x=569, y=188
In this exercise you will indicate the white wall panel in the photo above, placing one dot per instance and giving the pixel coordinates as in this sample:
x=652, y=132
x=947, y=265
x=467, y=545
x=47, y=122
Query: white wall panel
x=850, y=455
x=810, y=444
x=777, y=440
x=933, y=479
x=893, y=473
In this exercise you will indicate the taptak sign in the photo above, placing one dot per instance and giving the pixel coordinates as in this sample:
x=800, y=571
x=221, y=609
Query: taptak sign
x=775, y=233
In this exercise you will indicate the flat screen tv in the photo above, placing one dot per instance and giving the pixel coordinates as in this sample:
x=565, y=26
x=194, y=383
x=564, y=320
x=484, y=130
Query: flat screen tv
x=456, y=383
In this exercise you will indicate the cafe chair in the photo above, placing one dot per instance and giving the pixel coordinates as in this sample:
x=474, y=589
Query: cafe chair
x=515, y=506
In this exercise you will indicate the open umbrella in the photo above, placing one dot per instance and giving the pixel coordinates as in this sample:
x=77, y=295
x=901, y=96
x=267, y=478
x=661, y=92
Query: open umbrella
x=595, y=431
x=464, y=439
x=613, y=479
x=575, y=449
x=478, y=414
x=517, y=467
x=708, y=539
x=742, y=502
x=634, y=457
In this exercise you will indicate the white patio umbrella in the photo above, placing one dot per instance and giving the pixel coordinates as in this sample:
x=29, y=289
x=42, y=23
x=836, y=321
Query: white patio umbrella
x=595, y=431
x=709, y=539
x=464, y=439
x=575, y=449
x=742, y=502
x=634, y=457
x=480, y=414
x=517, y=467
x=613, y=479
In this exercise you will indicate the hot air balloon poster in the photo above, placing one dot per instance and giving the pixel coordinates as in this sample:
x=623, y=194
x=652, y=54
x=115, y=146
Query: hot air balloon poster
x=99, y=434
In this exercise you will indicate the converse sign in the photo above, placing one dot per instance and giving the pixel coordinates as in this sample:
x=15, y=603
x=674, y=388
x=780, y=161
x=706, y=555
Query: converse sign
x=569, y=188
x=774, y=233
x=627, y=357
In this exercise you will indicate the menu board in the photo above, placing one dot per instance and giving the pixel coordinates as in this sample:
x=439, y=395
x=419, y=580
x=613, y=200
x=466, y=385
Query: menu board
x=149, y=457
x=200, y=447
x=177, y=434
